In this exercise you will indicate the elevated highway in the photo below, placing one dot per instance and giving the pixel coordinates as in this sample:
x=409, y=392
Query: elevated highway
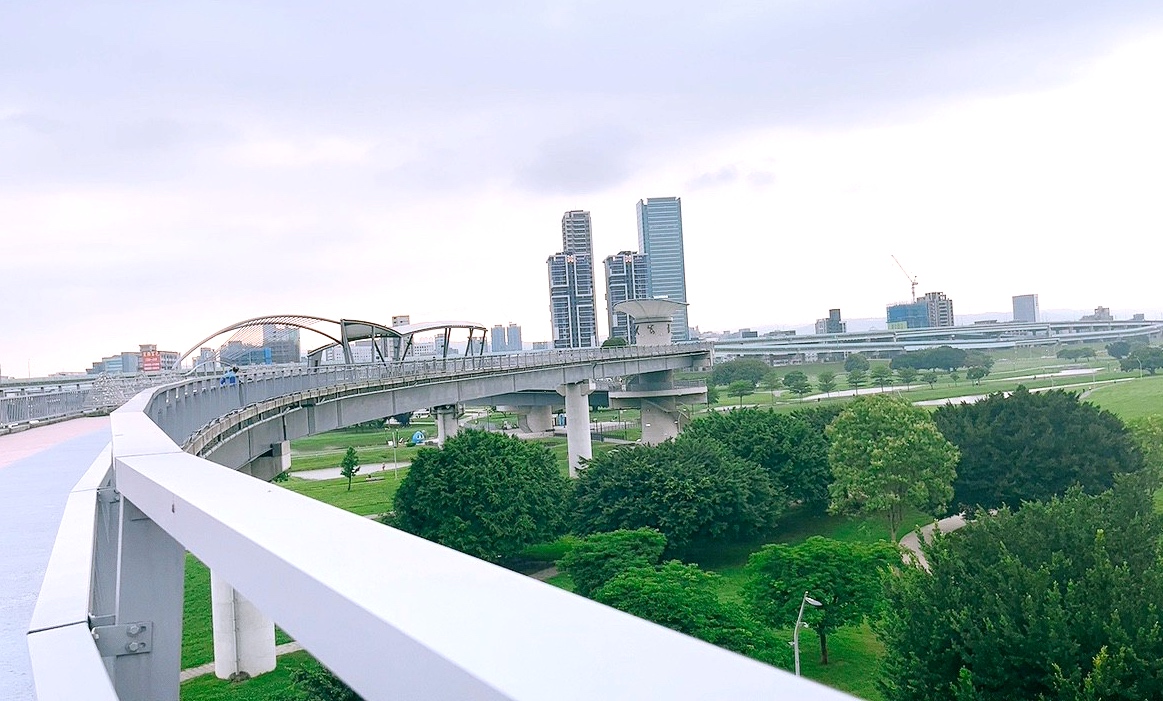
x=395, y=616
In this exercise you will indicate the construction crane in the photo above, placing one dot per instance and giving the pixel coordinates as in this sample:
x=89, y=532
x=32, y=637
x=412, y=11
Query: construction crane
x=912, y=280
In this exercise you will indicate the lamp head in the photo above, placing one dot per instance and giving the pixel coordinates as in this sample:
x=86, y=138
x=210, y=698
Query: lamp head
x=812, y=601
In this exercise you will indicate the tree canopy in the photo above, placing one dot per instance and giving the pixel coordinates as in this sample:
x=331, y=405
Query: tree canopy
x=485, y=494
x=1118, y=349
x=685, y=598
x=856, y=361
x=596, y=559
x=881, y=374
x=740, y=388
x=887, y=456
x=691, y=491
x=1075, y=353
x=1060, y=600
x=826, y=381
x=941, y=358
x=349, y=465
x=1145, y=358
x=1029, y=446
x=797, y=382
x=844, y=577
x=789, y=447
x=750, y=369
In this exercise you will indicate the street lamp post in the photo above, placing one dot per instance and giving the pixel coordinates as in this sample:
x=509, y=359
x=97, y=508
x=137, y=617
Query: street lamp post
x=795, y=643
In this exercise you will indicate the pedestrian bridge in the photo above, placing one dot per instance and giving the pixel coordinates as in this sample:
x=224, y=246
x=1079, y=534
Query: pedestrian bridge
x=393, y=615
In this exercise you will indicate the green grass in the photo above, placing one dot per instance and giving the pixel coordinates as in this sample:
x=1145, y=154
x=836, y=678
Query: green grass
x=271, y=686
x=366, y=498
x=854, y=655
x=1131, y=400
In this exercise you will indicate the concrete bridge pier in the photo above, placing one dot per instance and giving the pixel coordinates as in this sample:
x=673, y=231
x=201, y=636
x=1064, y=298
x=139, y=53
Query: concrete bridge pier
x=577, y=422
x=447, y=425
x=661, y=420
x=534, y=419
x=273, y=463
x=244, y=637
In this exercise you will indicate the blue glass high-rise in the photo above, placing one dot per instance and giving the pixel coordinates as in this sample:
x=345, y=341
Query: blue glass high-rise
x=660, y=239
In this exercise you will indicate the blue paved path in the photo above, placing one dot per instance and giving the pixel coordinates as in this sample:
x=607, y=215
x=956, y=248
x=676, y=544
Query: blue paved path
x=48, y=462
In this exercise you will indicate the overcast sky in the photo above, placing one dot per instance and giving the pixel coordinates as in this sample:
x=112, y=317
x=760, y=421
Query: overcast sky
x=169, y=168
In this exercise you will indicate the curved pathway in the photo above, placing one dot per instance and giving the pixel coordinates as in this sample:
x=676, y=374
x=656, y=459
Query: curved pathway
x=912, y=541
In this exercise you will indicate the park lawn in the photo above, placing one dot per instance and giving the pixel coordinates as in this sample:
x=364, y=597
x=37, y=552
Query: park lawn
x=854, y=655
x=366, y=497
x=340, y=439
x=367, y=456
x=1131, y=400
x=271, y=686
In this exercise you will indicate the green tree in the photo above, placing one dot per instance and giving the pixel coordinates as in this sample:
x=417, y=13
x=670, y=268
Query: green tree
x=844, y=577
x=403, y=419
x=1076, y=353
x=751, y=369
x=791, y=448
x=349, y=466
x=685, y=598
x=908, y=376
x=1147, y=358
x=1118, y=349
x=314, y=682
x=486, y=494
x=614, y=342
x=740, y=388
x=975, y=374
x=887, y=456
x=1031, y=446
x=955, y=377
x=930, y=378
x=1147, y=431
x=881, y=374
x=771, y=382
x=826, y=381
x=856, y=361
x=797, y=382
x=692, y=491
x=596, y=559
x=1059, y=600
x=712, y=395
x=856, y=378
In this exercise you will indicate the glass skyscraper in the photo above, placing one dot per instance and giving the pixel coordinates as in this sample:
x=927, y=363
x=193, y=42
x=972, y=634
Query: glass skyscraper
x=660, y=240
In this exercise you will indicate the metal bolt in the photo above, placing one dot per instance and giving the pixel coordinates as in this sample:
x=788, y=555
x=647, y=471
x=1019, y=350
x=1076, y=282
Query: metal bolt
x=135, y=646
x=135, y=628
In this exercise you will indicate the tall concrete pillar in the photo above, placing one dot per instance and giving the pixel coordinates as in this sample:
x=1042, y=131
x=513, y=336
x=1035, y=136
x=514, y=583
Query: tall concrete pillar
x=244, y=638
x=577, y=422
x=447, y=425
x=659, y=423
x=535, y=419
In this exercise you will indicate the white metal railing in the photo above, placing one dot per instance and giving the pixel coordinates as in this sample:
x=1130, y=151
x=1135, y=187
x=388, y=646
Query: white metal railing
x=395, y=616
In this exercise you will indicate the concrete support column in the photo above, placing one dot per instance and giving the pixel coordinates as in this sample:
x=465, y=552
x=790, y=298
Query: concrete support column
x=244, y=638
x=659, y=423
x=268, y=466
x=535, y=419
x=577, y=422
x=150, y=581
x=447, y=425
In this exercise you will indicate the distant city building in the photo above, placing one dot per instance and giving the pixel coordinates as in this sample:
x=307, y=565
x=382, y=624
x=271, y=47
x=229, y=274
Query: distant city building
x=540, y=345
x=513, y=338
x=908, y=315
x=832, y=324
x=1026, y=308
x=1100, y=314
x=940, y=309
x=626, y=278
x=571, y=301
x=278, y=344
x=934, y=310
x=660, y=240
x=577, y=233
x=146, y=359
x=497, y=341
x=571, y=285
